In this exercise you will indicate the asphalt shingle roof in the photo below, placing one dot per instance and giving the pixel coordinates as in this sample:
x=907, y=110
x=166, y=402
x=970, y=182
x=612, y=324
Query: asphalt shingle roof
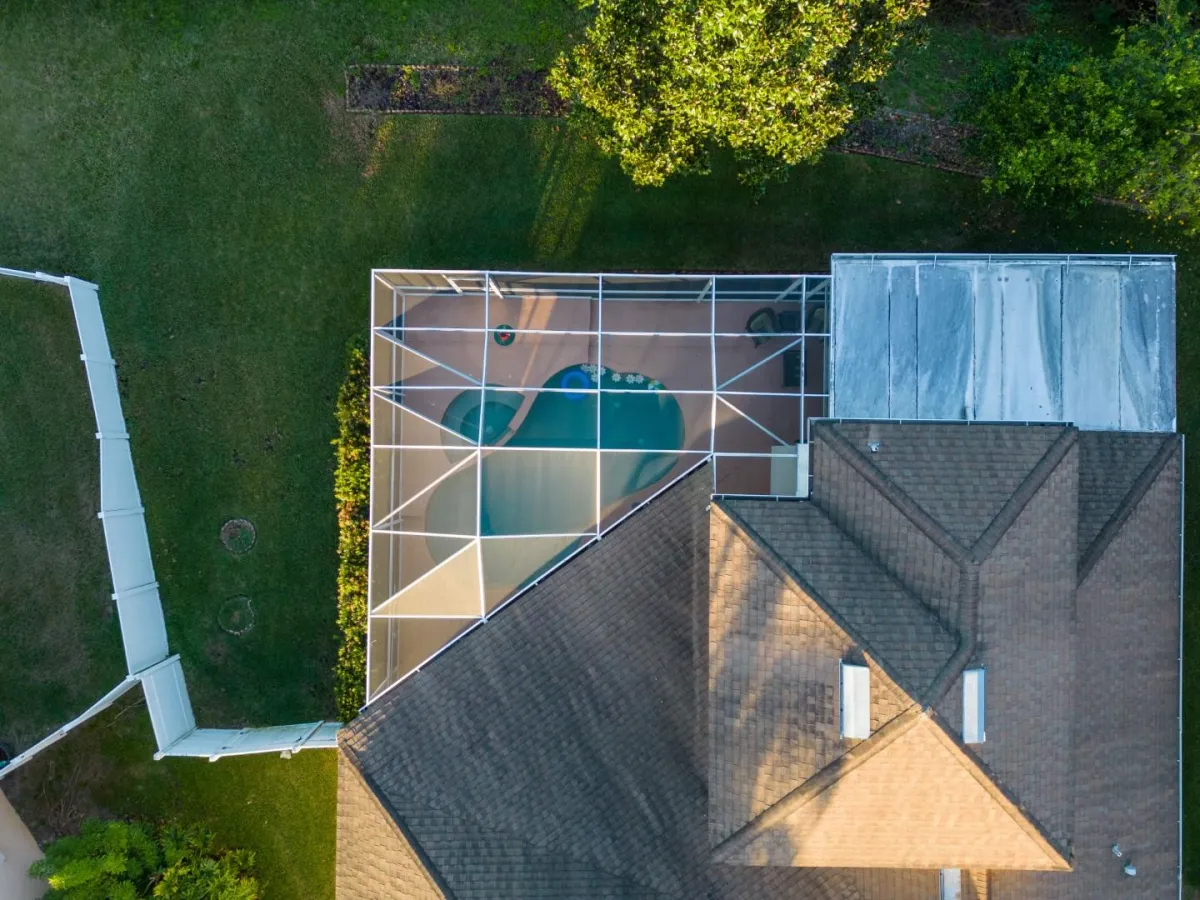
x=569, y=721
x=604, y=732
x=774, y=654
x=375, y=861
x=1109, y=463
x=961, y=475
x=892, y=623
x=908, y=797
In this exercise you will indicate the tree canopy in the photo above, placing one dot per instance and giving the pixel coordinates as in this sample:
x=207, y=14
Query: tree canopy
x=1059, y=124
x=662, y=82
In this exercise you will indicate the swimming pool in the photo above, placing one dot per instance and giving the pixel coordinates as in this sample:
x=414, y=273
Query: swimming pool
x=555, y=492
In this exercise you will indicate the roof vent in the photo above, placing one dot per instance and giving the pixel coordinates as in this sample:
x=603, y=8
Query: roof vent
x=974, y=710
x=1117, y=851
x=874, y=446
x=951, y=884
x=1130, y=869
x=856, y=701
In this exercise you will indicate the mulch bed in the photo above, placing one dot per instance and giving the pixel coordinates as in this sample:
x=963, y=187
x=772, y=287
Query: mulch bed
x=494, y=90
x=911, y=137
x=497, y=90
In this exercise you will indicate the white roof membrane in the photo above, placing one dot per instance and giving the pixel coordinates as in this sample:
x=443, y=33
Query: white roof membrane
x=1083, y=339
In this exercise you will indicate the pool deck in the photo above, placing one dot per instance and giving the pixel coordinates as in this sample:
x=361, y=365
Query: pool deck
x=681, y=361
x=457, y=527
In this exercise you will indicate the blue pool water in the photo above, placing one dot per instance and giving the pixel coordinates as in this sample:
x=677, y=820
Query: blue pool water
x=555, y=493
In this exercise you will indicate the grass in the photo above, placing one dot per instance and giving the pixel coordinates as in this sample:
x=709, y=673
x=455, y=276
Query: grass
x=198, y=167
x=281, y=809
x=931, y=77
x=55, y=596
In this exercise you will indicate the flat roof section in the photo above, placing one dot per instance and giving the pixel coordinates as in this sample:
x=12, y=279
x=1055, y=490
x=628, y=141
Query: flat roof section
x=1005, y=338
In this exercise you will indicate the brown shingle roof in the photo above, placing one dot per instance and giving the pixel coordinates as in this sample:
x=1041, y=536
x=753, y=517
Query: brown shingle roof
x=874, y=608
x=962, y=476
x=774, y=654
x=1109, y=463
x=1025, y=641
x=564, y=733
x=1115, y=470
x=908, y=797
x=375, y=861
x=1125, y=711
x=565, y=749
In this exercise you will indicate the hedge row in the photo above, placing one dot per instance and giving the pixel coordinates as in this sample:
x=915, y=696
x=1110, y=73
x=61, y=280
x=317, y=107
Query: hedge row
x=351, y=490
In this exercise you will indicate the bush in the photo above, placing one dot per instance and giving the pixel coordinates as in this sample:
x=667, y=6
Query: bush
x=661, y=82
x=352, y=492
x=1061, y=125
x=130, y=860
x=197, y=871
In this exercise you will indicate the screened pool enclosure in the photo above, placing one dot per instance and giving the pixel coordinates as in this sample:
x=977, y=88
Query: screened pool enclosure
x=516, y=417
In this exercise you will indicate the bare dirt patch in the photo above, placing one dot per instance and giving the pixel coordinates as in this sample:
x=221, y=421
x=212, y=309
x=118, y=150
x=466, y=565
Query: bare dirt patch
x=53, y=793
x=492, y=90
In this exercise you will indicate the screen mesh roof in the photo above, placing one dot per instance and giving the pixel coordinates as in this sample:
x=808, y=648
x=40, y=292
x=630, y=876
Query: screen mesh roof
x=517, y=416
x=1082, y=339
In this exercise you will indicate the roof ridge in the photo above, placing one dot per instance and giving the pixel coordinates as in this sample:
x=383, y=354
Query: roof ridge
x=892, y=492
x=1015, y=505
x=1024, y=819
x=430, y=869
x=1141, y=485
x=796, y=583
x=800, y=796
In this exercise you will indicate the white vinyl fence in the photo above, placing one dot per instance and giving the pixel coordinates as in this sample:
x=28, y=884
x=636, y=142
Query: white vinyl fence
x=135, y=590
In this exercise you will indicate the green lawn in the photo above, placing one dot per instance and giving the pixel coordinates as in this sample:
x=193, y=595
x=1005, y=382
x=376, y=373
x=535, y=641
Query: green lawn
x=198, y=167
x=62, y=645
x=931, y=77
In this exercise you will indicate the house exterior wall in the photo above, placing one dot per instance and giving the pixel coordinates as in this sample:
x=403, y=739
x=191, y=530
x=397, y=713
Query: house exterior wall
x=18, y=851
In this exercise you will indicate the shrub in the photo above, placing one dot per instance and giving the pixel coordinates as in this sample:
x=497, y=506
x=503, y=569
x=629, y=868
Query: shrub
x=106, y=861
x=196, y=870
x=352, y=492
x=130, y=860
x=661, y=82
x=1059, y=124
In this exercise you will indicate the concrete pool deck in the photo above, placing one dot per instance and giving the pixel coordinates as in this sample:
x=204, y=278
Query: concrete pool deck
x=513, y=422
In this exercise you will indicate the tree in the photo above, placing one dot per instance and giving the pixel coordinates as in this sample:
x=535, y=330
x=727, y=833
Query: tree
x=1058, y=124
x=660, y=83
x=131, y=860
